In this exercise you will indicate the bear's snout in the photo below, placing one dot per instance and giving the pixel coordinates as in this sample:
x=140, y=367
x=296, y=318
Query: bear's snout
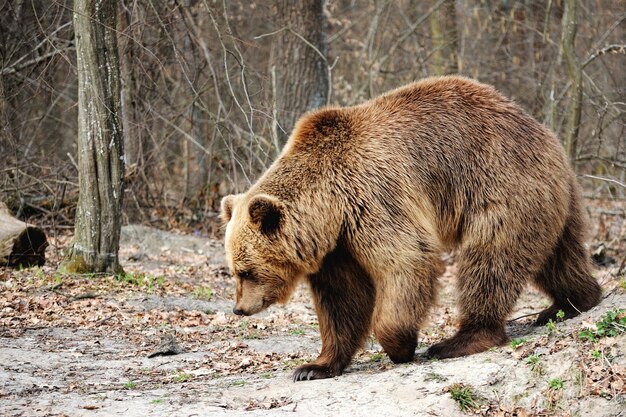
x=239, y=312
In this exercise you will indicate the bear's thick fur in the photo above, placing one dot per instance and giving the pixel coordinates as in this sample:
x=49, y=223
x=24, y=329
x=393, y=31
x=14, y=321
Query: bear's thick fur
x=363, y=199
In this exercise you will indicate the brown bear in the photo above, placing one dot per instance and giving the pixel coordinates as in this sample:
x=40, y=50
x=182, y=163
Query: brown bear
x=363, y=199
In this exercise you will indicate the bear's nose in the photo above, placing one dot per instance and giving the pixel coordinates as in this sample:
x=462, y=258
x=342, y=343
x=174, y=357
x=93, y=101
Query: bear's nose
x=238, y=311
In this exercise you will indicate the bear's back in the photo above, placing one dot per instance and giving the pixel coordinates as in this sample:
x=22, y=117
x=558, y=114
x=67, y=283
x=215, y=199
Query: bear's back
x=455, y=114
x=457, y=142
x=441, y=116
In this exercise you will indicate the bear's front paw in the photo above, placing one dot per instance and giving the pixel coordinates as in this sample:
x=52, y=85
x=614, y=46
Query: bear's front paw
x=311, y=371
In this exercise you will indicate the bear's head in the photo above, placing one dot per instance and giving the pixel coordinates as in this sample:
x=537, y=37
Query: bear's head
x=258, y=252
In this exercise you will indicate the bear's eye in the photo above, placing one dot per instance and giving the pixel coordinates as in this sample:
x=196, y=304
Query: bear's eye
x=246, y=275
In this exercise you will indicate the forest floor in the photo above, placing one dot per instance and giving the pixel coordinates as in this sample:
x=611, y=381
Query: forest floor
x=80, y=346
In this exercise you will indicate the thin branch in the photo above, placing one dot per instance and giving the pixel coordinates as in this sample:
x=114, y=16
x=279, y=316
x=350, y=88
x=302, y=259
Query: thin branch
x=611, y=180
x=12, y=69
x=614, y=162
x=199, y=39
x=317, y=51
x=39, y=45
x=524, y=316
x=610, y=49
x=276, y=32
x=604, y=36
x=185, y=134
x=409, y=32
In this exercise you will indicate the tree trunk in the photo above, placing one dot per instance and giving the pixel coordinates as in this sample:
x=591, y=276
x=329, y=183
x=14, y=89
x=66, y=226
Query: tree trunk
x=444, y=34
x=132, y=136
x=100, y=140
x=196, y=173
x=574, y=71
x=4, y=121
x=197, y=158
x=21, y=244
x=300, y=58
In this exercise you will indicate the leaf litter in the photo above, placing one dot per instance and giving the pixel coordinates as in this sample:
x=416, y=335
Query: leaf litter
x=148, y=333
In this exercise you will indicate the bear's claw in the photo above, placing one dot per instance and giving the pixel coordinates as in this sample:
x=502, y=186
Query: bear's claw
x=311, y=372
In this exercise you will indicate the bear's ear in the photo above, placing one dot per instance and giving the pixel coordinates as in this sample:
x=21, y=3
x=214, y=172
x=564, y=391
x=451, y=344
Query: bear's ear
x=266, y=212
x=227, y=207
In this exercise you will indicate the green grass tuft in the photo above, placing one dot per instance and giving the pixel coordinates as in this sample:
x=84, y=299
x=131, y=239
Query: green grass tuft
x=535, y=364
x=182, y=377
x=515, y=343
x=130, y=385
x=203, y=293
x=464, y=396
x=556, y=383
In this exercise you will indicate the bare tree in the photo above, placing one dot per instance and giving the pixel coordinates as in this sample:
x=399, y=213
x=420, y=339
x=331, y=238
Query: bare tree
x=574, y=71
x=201, y=101
x=100, y=140
x=300, y=62
x=132, y=138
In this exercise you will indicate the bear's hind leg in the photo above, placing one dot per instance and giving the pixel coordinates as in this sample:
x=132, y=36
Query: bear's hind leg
x=402, y=303
x=566, y=276
x=344, y=299
x=489, y=283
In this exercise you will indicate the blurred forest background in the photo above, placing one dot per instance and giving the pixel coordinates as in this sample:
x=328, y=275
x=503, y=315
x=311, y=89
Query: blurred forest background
x=211, y=88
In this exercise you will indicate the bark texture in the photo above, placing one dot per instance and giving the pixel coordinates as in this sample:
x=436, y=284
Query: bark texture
x=300, y=61
x=574, y=71
x=100, y=140
x=444, y=60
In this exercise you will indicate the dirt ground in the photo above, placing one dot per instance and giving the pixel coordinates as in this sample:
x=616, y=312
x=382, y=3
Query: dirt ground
x=80, y=346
